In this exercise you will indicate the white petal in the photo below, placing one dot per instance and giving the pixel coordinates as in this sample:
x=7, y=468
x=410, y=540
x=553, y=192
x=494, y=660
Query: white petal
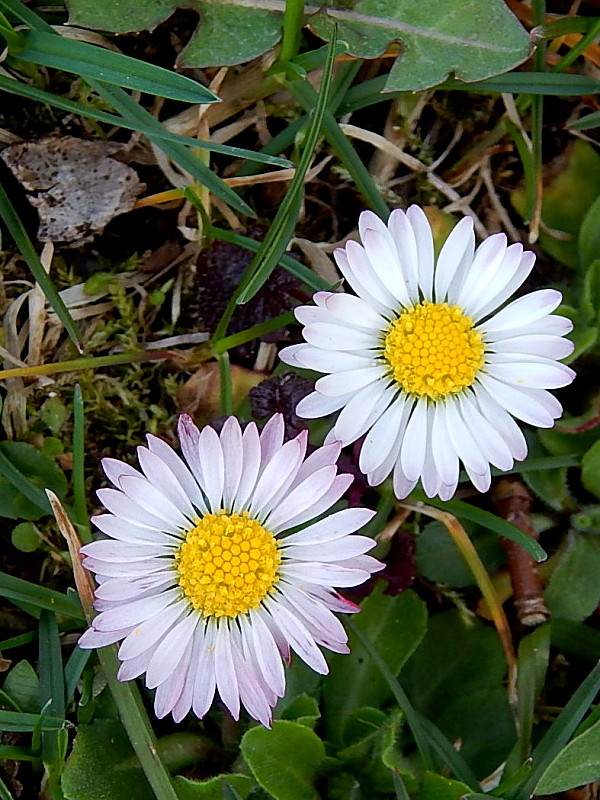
x=136, y=612
x=184, y=703
x=455, y=255
x=381, y=439
x=462, y=439
x=552, y=324
x=332, y=527
x=271, y=438
x=126, y=531
x=321, y=624
x=444, y=455
x=322, y=501
x=351, y=381
x=362, y=411
x=385, y=263
x=412, y=454
x=131, y=568
x=114, y=470
x=358, y=271
x=347, y=547
x=368, y=219
x=334, y=336
x=227, y=684
x=123, y=507
x=325, y=574
x=251, y=454
x=535, y=406
x=332, y=360
x=502, y=421
x=154, y=501
x=319, y=458
x=186, y=480
x=532, y=375
x=212, y=467
x=554, y=347
x=166, y=658
x=524, y=311
x=205, y=683
x=486, y=262
x=402, y=485
x=277, y=476
x=425, y=252
x=406, y=248
x=189, y=436
x=119, y=589
x=92, y=639
x=512, y=273
x=121, y=552
x=302, y=496
x=265, y=651
x=355, y=311
x=159, y=475
x=297, y=635
x=231, y=444
x=317, y=405
x=493, y=446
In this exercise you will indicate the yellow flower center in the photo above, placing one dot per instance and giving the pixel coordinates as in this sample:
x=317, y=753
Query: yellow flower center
x=433, y=350
x=227, y=564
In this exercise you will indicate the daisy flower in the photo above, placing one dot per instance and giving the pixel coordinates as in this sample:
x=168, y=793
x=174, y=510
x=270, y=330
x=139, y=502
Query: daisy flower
x=420, y=360
x=199, y=578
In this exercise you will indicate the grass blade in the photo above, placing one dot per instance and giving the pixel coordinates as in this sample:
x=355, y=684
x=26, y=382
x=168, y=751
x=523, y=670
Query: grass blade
x=52, y=685
x=79, y=494
x=20, y=722
x=23, y=242
x=41, y=96
x=90, y=61
x=38, y=596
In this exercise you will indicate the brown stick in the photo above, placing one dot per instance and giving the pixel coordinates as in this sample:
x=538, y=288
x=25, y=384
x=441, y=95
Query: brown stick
x=513, y=502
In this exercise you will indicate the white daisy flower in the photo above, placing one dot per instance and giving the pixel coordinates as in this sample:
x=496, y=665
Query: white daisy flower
x=422, y=361
x=201, y=582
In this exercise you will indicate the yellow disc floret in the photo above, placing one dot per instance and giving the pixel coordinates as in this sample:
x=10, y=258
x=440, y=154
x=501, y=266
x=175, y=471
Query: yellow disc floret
x=227, y=564
x=433, y=350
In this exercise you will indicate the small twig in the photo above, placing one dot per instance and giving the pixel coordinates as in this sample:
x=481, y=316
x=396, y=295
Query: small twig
x=513, y=503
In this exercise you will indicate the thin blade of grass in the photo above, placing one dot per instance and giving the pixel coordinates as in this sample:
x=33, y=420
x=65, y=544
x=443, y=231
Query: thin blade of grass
x=280, y=232
x=20, y=722
x=559, y=734
x=38, y=596
x=493, y=523
x=52, y=685
x=28, y=489
x=74, y=668
x=78, y=474
x=23, y=242
x=89, y=61
x=428, y=738
x=41, y=96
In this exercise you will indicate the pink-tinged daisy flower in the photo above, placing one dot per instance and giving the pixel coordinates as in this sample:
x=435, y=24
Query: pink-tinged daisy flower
x=421, y=361
x=199, y=578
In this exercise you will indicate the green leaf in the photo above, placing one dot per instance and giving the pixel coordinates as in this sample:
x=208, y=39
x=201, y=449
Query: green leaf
x=17, y=722
x=590, y=469
x=574, y=590
x=473, y=39
x=576, y=765
x=584, y=123
x=22, y=685
x=568, y=196
x=38, y=596
x=303, y=709
x=284, y=760
x=26, y=537
x=396, y=626
x=213, y=788
x=24, y=474
x=436, y=787
x=95, y=770
x=589, y=237
x=576, y=638
x=550, y=485
x=455, y=678
x=438, y=558
x=89, y=61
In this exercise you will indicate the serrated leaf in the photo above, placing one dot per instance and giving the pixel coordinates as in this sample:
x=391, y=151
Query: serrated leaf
x=473, y=39
x=285, y=759
x=589, y=236
x=590, y=469
x=436, y=787
x=576, y=765
x=550, y=485
x=396, y=625
x=574, y=590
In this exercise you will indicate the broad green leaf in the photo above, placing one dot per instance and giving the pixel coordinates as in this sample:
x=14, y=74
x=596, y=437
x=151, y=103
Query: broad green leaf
x=589, y=236
x=22, y=685
x=25, y=537
x=576, y=765
x=95, y=770
x=455, y=678
x=590, y=469
x=395, y=626
x=90, y=61
x=568, y=195
x=303, y=709
x=550, y=485
x=436, y=787
x=284, y=760
x=574, y=589
x=438, y=558
x=213, y=788
x=24, y=474
x=473, y=39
